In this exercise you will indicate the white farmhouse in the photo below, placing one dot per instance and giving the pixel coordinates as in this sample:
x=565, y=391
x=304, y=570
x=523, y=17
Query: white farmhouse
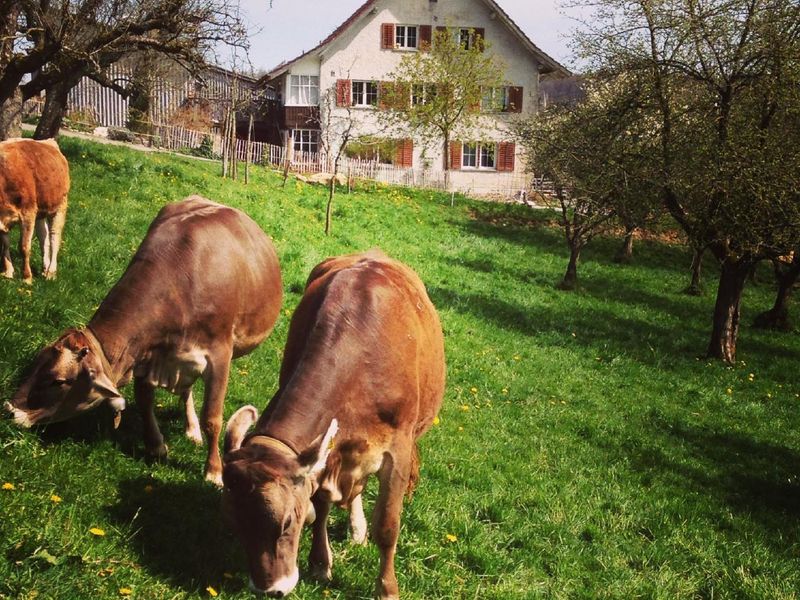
x=350, y=64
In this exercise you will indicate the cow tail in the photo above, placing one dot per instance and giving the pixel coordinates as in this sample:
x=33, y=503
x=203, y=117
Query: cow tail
x=413, y=475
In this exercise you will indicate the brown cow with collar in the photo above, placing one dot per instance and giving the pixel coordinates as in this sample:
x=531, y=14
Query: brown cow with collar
x=34, y=183
x=362, y=379
x=204, y=287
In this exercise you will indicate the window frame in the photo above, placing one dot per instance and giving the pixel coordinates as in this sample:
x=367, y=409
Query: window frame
x=309, y=142
x=478, y=153
x=368, y=89
x=311, y=85
x=405, y=37
x=488, y=99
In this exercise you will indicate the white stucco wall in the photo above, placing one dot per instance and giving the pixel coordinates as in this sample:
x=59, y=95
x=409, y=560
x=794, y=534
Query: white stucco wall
x=356, y=54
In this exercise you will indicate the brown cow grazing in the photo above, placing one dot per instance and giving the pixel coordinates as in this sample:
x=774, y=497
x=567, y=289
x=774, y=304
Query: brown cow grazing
x=34, y=183
x=204, y=287
x=362, y=379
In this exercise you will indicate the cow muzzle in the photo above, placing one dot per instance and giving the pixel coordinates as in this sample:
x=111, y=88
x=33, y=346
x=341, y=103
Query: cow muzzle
x=20, y=417
x=280, y=588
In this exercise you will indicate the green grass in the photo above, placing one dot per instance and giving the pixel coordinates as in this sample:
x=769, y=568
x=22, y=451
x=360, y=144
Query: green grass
x=584, y=451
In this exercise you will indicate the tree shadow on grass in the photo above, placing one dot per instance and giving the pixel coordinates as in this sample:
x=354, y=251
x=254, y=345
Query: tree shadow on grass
x=180, y=534
x=756, y=478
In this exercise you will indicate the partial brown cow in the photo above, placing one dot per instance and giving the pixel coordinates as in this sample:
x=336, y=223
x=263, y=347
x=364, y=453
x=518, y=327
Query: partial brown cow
x=204, y=287
x=34, y=183
x=362, y=379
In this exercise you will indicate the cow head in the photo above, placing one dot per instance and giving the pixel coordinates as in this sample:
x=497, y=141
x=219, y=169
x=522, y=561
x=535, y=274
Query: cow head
x=267, y=497
x=67, y=379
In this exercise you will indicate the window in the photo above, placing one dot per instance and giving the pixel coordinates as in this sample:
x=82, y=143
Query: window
x=303, y=90
x=422, y=93
x=306, y=140
x=464, y=38
x=365, y=93
x=478, y=155
x=494, y=99
x=405, y=36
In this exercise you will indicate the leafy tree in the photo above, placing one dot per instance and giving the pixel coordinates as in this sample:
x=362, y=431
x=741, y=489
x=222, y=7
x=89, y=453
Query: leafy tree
x=437, y=93
x=723, y=81
x=597, y=153
x=58, y=43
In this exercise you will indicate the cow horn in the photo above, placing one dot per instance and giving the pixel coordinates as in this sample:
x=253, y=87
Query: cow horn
x=238, y=425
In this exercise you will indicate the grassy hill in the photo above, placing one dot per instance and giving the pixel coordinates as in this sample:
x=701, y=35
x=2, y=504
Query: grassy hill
x=583, y=450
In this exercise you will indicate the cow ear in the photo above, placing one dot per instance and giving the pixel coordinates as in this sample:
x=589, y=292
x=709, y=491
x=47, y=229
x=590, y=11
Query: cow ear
x=237, y=427
x=312, y=460
x=104, y=386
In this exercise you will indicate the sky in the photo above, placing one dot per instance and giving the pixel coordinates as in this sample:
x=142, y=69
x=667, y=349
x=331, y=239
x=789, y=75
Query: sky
x=291, y=27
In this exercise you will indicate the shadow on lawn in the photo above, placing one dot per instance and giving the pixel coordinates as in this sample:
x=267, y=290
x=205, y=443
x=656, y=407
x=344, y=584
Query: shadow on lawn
x=180, y=532
x=753, y=477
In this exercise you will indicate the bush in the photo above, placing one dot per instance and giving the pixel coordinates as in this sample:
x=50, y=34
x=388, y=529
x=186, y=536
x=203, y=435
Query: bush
x=122, y=135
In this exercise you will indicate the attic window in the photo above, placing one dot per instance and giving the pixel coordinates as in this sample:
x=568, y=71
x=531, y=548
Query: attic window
x=405, y=36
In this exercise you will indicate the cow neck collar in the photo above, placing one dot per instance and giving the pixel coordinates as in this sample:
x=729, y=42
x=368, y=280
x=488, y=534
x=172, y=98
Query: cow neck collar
x=98, y=349
x=260, y=439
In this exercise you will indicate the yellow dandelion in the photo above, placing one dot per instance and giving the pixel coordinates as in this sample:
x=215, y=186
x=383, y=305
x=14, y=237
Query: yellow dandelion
x=55, y=498
x=436, y=420
x=474, y=390
x=729, y=391
x=504, y=390
x=97, y=531
x=461, y=428
x=517, y=357
x=125, y=591
x=9, y=486
x=451, y=538
x=769, y=395
x=574, y=334
x=465, y=407
x=212, y=592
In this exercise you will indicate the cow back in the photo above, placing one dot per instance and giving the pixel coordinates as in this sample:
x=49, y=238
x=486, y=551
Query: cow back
x=34, y=175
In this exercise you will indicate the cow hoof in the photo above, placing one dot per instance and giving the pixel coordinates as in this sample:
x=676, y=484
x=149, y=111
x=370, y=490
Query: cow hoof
x=195, y=436
x=158, y=454
x=50, y=275
x=28, y=281
x=321, y=572
x=7, y=274
x=215, y=478
x=359, y=538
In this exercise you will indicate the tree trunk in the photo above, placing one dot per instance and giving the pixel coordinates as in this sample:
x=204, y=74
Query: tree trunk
x=625, y=252
x=11, y=117
x=446, y=155
x=570, y=280
x=725, y=329
x=778, y=316
x=55, y=105
x=329, y=207
x=695, y=287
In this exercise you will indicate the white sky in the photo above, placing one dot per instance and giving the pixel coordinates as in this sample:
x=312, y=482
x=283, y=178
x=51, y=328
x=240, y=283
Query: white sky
x=291, y=27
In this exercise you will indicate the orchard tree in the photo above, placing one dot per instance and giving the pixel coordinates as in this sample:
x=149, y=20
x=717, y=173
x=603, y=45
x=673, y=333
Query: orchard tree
x=724, y=83
x=597, y=154
x=56, y=43
x=437, y=93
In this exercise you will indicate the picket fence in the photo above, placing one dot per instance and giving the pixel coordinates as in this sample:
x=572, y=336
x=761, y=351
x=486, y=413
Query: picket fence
x=507, y=186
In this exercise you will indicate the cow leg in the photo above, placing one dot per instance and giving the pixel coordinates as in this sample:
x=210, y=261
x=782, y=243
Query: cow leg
x=192, y=424
x=56, y=228
x=216, y=384
x=25, y=238
x=43, y=233
x=154, y=445
x=358, y=522
x=5, y=252
x=393, y=476
x=320, y=559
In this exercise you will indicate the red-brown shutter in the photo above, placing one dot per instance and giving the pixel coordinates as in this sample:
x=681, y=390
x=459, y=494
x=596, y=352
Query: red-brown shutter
x=455, y=156
x=440, y=29
x=515, y=99
x=425, y=37
x=387, y=35
x=385, y=94
x=405, y=153
x=505, y=156
x=343, y=91
x=480, y=33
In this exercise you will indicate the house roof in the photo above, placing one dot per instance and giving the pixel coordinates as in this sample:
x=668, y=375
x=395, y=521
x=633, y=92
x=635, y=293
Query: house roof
x=550, y=64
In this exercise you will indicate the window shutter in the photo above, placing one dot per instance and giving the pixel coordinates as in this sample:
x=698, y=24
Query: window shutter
x=440, y=29
x=387, y=36
x=385, y=94
x=455, y=156
x=505, y=156
x=480, y=33
x=515, y=99
x=343, y=89
x=425, y=37
x=405, y=153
